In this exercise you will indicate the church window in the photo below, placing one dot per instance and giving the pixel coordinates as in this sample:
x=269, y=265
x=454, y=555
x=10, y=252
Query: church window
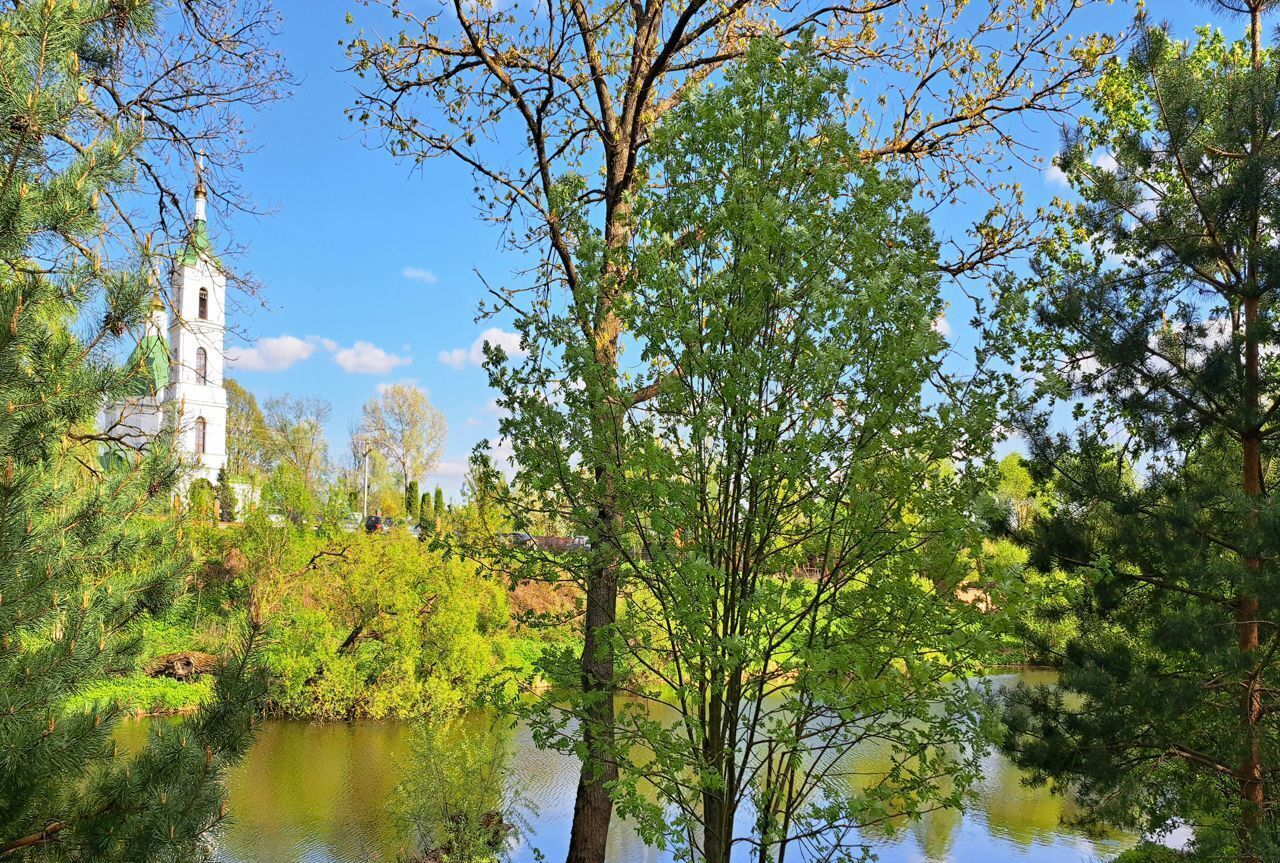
x=204, y=304
x=202, y=366
x=200, y=435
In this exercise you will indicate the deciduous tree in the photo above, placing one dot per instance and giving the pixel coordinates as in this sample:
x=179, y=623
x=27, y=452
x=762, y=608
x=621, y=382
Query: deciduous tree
x=295, y=435
x=797, y=529
x=406, y=428
x=247, y=454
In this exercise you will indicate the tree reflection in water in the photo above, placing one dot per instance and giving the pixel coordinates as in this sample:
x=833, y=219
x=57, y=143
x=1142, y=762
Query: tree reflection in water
x=327, y=793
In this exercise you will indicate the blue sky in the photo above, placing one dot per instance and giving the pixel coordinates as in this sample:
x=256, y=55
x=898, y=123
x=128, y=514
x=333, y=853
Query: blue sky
x=369, y=267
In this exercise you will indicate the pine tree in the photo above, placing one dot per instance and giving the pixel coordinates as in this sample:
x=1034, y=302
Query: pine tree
x=86, y=555
x=227, y=502
x=439, y=506
x=1160, y=301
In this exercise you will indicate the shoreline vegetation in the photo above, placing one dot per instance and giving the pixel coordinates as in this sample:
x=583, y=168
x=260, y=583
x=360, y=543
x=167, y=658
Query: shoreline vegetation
x=347, y=617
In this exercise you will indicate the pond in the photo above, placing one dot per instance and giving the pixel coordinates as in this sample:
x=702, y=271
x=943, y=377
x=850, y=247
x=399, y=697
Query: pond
x=320, y=793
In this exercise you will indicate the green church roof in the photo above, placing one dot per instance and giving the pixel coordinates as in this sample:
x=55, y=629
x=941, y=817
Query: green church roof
x=150, y=359
x=198, y=246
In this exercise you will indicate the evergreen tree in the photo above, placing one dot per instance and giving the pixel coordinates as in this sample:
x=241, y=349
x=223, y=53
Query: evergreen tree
x=1160, y=303
x=439, y=506
x=412, y=501
x=226, y=497
x=85, y=557
x=427, y=512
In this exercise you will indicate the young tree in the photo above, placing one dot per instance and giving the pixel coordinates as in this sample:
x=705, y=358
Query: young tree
x=438, y=505
x=1159, y=301
x=406, y=428
x=585, y=83
x=201, y=499
x=797, y=525
x=87, y=556
x=426, y=512
x=295, y=435
x=412, y=502
x=226, y=497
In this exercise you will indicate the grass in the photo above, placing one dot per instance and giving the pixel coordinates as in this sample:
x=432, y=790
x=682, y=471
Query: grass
x=142, y=694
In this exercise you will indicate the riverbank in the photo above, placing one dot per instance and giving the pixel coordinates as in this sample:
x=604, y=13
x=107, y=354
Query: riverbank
x=327, y=792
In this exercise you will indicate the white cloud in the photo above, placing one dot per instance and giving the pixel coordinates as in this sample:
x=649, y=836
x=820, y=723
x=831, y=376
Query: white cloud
x=474, y=422
x=1055, y=176
x=271, y=354
x=456, y=358
x=1106, y=162
x=941, y=326
x=460, y=358
x=365, y=358
x=418, y=274
x=382, y=388
x=449, y=470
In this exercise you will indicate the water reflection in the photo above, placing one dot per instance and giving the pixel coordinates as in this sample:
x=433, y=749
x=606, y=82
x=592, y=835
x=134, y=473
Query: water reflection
x=323, y=793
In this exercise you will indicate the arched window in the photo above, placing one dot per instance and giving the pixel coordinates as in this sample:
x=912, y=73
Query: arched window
x=202, y=366
x=200, y=434
x=204, y=304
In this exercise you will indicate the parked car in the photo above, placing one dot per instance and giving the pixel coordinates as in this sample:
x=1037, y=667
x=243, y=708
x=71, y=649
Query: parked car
x=374, y=524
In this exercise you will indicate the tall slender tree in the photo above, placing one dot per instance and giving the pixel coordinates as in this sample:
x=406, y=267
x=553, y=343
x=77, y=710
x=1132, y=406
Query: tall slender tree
x=86, y=554
x=1159, y=314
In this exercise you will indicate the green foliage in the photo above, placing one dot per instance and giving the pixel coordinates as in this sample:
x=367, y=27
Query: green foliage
x=438, y=505
x=287, y=493
x=141, y=694
x=457, y=795
x=793, y=522
x=426, y=512
x=1033, y=608
x=200, y=499
x=247, y=451
x=1148, y=852
x=368, y=625
x=1158, y=327
x=412, y=502
x=226, y=496
x=87, y=558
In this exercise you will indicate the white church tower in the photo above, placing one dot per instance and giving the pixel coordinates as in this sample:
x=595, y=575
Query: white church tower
x=198, y=292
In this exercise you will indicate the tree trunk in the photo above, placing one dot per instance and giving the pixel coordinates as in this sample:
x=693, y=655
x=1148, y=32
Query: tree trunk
x=592, y=806
x=717, y=819
x=1252, y=792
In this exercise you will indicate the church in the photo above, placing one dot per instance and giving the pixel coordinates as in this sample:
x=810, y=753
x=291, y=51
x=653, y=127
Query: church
x=184, y=357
